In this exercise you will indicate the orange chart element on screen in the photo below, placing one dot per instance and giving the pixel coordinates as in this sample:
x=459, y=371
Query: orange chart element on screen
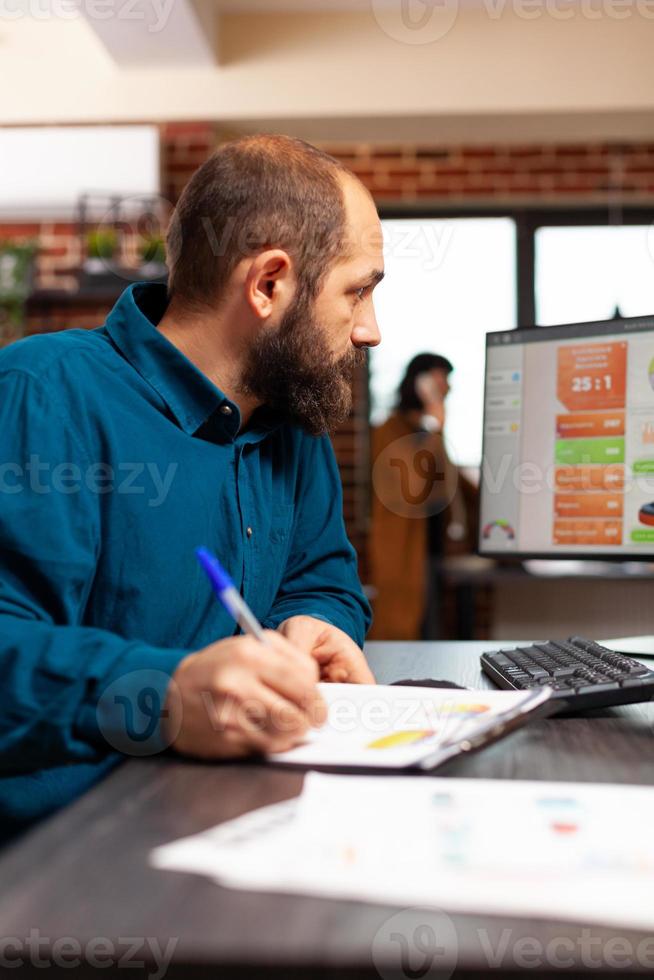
x=588, y=504
x=591, y=377
x=589, y=477
x=588, y=532
x=581, y=425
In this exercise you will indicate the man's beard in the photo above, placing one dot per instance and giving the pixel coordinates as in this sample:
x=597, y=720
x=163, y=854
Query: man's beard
x=293, y=372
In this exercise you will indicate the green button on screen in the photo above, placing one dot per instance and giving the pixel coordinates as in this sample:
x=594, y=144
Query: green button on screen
x=579, y=451
x=642, y=535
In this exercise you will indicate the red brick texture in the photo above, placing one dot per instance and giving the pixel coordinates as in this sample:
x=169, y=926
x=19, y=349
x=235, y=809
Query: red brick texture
x=494, y=174
x=416, y=175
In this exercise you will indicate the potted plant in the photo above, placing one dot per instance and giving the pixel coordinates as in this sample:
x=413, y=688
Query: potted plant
x=101, y=247
x=152, y=253
x=16, y=284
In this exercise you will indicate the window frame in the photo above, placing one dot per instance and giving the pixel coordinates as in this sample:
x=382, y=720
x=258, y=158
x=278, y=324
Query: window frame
x=528, y=219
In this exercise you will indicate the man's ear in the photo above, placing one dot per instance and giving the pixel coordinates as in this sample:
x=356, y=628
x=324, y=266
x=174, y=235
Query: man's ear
x=269, y=282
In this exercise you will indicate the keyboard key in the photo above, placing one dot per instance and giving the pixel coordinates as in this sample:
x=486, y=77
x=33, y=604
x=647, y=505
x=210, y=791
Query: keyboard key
x=597, y=688
x=631, y=682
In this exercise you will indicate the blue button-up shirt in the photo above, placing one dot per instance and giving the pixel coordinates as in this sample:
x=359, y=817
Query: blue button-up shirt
x=117, y=458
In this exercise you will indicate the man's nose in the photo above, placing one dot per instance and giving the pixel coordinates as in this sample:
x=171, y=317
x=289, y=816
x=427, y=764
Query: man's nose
x=366, y=332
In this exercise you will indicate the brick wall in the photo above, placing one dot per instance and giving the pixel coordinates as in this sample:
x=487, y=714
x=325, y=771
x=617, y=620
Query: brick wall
x=498, y=174
x=405, y=174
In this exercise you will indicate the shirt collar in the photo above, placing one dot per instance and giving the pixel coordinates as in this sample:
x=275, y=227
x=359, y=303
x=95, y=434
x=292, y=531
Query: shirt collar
x=192, y=398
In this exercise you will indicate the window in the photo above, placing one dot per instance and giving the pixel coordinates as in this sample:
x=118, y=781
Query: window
x=448, y=282
x=587, y=272
x=44, y=170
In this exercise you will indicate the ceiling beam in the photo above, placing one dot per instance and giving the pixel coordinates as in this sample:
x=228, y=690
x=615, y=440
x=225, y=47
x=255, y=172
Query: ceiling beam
x=157, y=33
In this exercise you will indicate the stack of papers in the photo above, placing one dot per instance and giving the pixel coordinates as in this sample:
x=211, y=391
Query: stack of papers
x=536, y=849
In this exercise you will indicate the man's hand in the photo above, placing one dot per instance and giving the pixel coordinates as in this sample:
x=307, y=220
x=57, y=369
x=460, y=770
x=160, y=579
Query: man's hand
x=239, y=696
x=337, y=656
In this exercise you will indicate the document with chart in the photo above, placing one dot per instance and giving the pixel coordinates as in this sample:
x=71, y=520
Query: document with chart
x=393, y=727
x=503, y=847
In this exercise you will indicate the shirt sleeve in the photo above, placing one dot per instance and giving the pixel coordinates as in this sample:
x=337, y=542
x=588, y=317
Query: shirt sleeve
x=70, y=692
x=321, y=578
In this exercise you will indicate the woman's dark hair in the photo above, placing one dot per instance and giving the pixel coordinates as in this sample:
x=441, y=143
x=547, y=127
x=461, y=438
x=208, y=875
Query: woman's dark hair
x=407, y=399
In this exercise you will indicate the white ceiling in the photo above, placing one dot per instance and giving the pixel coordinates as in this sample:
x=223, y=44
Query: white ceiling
x=335, y=69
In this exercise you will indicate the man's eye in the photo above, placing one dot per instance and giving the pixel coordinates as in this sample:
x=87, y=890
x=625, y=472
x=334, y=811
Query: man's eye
x=360, y=292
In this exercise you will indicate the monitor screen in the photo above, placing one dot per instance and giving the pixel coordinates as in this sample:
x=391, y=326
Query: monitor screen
x=568, y=457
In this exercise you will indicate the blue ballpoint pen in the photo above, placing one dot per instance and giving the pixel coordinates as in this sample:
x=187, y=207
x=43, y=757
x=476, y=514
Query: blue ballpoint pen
x=229, y=595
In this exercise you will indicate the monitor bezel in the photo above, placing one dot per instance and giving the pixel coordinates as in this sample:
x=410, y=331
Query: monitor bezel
x=562, y=330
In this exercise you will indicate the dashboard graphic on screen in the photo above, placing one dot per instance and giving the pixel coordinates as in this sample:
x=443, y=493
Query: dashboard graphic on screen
x=568, y=461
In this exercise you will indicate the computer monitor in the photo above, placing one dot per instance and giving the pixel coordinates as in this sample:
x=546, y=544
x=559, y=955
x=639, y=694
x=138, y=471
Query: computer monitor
x=568, y=451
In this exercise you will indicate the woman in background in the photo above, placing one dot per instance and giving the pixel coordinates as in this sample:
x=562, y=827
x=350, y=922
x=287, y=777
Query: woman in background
x=418, y=505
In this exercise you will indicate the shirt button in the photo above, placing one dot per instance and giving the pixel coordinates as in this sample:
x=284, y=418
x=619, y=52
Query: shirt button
x=249, y=532
x=225, y=409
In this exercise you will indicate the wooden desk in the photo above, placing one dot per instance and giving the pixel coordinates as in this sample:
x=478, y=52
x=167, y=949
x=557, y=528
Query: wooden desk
x=85, y=874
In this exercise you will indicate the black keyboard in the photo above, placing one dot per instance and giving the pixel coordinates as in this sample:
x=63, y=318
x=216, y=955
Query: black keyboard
x=580, y=672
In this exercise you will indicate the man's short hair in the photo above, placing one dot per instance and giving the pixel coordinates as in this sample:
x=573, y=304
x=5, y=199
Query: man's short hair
x=255, y=193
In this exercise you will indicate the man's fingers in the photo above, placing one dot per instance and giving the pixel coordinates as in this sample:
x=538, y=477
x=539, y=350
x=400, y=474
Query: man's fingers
x=301, y=633
x=280, y=720
x=340, y=667
x=361, y=673
x=336, y=675
x=290, y=674
x=290, y=651
x=304, y=695
x=260, y=721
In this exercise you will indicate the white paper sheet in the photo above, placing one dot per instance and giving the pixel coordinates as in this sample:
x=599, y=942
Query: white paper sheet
x=641, y=648
x=393, y=726
x=549, y=850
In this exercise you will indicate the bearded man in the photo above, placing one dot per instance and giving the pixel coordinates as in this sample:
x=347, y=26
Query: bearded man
x=197, y=415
